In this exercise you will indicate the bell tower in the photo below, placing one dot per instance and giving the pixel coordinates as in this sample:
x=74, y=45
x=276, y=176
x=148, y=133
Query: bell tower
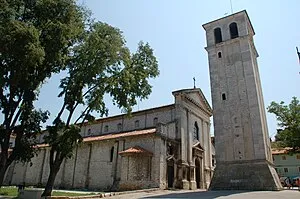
x=243, y=153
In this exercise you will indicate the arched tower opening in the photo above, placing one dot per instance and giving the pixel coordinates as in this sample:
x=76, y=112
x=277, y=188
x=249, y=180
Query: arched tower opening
x=234, y=33
x=218, y=35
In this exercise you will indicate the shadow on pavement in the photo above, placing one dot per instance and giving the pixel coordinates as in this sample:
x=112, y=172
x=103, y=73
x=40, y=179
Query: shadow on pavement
x=198, y=194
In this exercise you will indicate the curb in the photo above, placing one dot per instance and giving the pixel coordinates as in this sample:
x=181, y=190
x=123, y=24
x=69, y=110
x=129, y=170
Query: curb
x=103, y=195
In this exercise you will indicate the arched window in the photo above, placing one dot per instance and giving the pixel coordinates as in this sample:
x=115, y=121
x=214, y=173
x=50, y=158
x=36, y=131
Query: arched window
x=155, y=120
x=223, y=96
x=112, y=154
x=196, y=131
x=218, y=35
x=219, y=55
x=233, y=30
x=137, y=124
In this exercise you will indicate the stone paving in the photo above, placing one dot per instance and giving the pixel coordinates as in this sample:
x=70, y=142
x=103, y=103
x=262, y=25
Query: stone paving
x=166, y=194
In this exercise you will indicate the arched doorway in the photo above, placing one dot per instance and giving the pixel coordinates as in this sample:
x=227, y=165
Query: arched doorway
x=170, y=173
x=198, y=172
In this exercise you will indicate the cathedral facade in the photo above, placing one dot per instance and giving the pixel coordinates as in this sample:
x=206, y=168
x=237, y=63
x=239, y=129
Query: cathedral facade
x=162, y=147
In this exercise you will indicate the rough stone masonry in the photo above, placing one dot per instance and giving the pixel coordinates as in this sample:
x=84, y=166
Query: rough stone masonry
x=243, y=155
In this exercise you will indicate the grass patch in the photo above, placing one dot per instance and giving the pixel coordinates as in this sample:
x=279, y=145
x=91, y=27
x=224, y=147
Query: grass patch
x=8, y=191
x=13, y=191
x=61, y=193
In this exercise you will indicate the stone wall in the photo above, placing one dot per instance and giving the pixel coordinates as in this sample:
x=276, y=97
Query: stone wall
x=241, y=134
x=91, y=167
x=94, y=167
x=125, y=123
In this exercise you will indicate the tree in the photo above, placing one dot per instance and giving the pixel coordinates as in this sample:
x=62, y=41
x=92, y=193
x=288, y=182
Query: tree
x=101, y=64
x=288, y=117
x=35, y=39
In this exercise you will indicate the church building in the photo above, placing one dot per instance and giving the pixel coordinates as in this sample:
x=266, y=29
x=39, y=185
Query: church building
x=164, y=147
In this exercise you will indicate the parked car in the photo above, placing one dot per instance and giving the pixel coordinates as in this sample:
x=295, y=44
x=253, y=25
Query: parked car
x=294, y=181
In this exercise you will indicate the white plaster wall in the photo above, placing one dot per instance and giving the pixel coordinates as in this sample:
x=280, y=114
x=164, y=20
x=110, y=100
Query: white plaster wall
x=100, y=165
x=33, y=172
x=68, y=167
x=81, y=166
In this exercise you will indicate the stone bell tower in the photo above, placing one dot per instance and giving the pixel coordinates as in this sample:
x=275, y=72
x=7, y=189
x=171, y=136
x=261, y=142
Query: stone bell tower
x=243, y=153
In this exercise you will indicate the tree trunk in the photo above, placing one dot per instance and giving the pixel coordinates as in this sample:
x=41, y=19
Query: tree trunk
x=2, y=174
x=52, y=175
x=3, y=166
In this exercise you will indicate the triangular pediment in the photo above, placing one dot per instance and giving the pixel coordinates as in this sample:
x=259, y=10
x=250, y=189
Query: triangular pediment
x=196, y=97
x=198, y=146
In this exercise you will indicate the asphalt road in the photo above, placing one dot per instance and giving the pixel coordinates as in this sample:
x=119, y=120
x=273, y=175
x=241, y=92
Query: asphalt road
x=166, y=194
x=202, y=194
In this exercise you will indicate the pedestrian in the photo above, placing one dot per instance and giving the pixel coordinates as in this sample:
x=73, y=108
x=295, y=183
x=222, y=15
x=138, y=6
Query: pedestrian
x=288, y=182
x=298, y=183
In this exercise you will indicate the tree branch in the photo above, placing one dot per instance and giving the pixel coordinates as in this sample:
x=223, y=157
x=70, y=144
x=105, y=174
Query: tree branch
x=70, y=117
x=83, y=119
x=17, y=115
x=89, y=90
x=82, y=114
x=60, y=112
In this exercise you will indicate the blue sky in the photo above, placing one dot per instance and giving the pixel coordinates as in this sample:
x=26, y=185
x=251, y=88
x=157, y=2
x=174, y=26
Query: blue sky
x=174, y=30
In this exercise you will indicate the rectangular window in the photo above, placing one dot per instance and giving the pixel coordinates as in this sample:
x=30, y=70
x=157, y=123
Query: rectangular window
x=283, y=158
x=286, y=170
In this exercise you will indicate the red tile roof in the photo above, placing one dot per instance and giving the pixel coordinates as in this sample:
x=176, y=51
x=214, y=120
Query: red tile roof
x=120, y=135
x=41, y=145
x=110, y=136
x=279, y=151
x=136, y=150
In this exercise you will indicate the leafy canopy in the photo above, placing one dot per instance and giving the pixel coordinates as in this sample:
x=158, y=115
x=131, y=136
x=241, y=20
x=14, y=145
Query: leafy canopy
x=288, y=117
x=36, y=39
x=101, y=64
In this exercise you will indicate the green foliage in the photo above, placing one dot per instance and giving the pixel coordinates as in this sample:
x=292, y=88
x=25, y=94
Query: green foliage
x=101, y=64
x=36, y=39
x=275, y=145
x=42, y=37
x=26, y=133
x=288, y=117
x=63, y=139
x=98, y=65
